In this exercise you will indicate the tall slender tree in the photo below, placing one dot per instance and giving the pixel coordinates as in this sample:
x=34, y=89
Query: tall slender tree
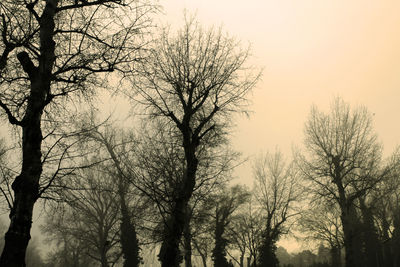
x=277, y=190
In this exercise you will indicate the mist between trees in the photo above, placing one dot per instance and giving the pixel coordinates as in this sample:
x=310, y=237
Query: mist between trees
x=113, y=194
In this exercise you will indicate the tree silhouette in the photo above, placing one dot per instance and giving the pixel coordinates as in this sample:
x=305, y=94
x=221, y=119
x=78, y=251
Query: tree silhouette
x=277, y=191
x=195, y=80
x=342, y=165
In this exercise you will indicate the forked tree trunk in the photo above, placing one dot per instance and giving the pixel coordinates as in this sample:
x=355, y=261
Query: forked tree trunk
x=26, y=185
x=349, y=220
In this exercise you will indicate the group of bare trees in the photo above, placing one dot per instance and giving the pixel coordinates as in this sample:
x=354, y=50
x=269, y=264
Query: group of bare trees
x=349, y=186
x=52, y=51
x=111, y=191
x=190, y=83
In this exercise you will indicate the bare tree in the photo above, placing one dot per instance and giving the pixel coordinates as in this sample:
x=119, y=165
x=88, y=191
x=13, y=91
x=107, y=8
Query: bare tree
x=117, y=147
x=342, y=164
x=48, y=50
x=321, y=222
x=245, y=232
x=194, y=79
x=89, y=217
x=150, y=166
x=277, y=190
x=227, y=202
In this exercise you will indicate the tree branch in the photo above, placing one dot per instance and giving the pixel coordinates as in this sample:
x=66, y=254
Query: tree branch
x=13, y=120
x=85, y=3
x=30, y=7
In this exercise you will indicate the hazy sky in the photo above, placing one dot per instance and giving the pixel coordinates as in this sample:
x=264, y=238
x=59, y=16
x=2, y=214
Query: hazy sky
x=311, y=51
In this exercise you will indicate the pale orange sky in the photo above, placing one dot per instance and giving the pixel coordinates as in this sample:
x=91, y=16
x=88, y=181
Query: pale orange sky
x=312, y=50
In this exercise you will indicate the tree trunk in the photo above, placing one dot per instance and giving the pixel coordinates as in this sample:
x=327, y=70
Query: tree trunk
x=373, y=248
x=349, y=224
x=241, y=261
x=18, y=234
x=103, y=258
x=386, y=246
x=188, y=254
x=187, y=240
x=336, y=260
x=202, y=255
x=128, y=236
x=267, y=256
x=26, y=185
x=251, y=261
x=129, y=242
x=204, y=260
x=267, y=251
x=170, y=255
x=219, y=253
x=395, y=242
x=353, y=254
x=348, y=242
